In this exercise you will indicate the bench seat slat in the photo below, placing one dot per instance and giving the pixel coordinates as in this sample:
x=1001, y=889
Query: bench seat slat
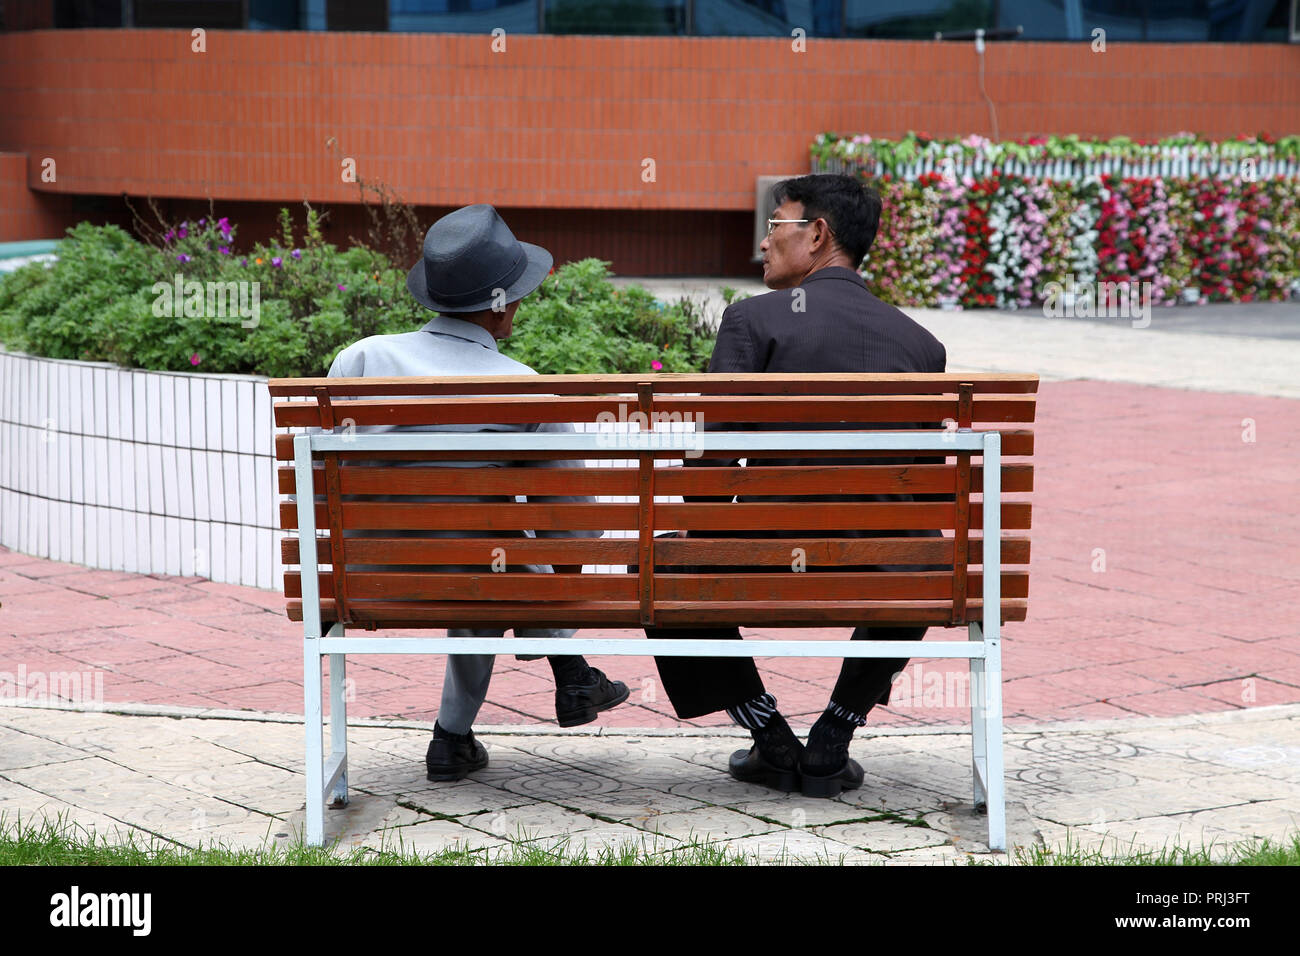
x=626, y=614
x=668, y=551
x=701, y=516
x=771, y=586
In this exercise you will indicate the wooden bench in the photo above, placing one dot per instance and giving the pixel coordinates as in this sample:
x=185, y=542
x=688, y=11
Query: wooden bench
x=360, y=481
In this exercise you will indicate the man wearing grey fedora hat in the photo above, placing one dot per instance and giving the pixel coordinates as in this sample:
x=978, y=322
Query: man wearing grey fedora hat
x=474, y=273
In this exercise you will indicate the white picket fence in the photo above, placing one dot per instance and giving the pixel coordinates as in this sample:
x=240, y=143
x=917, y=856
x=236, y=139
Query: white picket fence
x=1172, y=162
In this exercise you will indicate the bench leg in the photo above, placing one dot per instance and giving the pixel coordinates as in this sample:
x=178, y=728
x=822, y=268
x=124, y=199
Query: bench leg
x=979, y=739
x=314, y=771
x=337, y=779
x=995, y=782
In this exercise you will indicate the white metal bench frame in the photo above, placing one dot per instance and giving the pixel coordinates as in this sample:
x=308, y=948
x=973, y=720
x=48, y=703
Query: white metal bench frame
x=983, y=648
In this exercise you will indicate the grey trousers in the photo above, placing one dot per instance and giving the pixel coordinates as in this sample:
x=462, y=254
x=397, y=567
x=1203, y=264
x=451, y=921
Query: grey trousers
x=465, y=686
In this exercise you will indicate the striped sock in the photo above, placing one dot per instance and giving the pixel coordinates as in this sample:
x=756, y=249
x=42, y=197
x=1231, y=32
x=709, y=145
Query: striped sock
x=754, y=714
x=843, y=713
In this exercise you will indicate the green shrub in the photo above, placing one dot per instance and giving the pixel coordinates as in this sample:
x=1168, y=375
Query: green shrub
x=577, y=322
x=107, y=299
x=110, y=298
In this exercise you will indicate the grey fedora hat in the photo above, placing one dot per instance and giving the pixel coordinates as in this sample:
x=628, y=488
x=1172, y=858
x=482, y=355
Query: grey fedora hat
x=472, y=261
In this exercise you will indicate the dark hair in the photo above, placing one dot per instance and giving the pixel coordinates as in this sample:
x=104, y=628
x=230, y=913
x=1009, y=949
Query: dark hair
x=850, y=207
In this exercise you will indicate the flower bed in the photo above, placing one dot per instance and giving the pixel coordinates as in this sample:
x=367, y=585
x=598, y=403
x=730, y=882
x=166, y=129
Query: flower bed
x=1058, y=157
x=1001, y=240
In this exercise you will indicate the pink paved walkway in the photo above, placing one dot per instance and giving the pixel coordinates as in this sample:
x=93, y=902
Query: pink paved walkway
x=1165, y=580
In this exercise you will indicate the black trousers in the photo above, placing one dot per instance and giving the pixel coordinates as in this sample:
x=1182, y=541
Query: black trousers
x=702, y=685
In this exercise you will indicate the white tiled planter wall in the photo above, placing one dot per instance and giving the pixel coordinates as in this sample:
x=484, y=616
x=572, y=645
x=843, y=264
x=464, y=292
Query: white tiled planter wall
x=128, y=470
x=148, y=472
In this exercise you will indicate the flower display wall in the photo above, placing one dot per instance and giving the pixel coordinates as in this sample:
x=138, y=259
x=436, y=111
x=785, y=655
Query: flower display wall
x=995, y=238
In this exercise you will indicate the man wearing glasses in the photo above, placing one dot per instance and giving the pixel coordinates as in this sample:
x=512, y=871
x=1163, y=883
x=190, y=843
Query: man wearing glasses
x=819, y=318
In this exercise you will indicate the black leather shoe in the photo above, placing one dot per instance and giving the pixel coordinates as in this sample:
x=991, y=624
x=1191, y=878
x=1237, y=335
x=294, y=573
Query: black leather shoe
x=825, y=768
x=848, y=777
x=773, y=760
x=454, y=756
x=580, y=703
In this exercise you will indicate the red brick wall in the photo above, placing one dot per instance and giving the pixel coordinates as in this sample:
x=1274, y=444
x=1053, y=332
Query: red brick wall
x=25, y=214
x=562, y=123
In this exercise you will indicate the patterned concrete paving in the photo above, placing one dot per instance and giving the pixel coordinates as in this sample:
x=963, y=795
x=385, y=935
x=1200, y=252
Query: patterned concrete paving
x=1140, y=783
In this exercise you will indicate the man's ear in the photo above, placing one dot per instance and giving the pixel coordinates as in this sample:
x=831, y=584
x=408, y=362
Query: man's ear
x=823, y=236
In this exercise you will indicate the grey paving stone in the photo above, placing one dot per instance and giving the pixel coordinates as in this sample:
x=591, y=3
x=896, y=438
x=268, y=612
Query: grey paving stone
x=459, y=798
x=631, y=804
x=707, y=823
x=251, y=833
x=796, y=811
x=1270, y=818
x=943, y=855
x=1184, y=741
x=968, y=831
x=658, y=773
x=721, y=791
x=1136, y=803
x=781, y=847
x=249, y=784
x=1070, y=348
x=178, y=757
x=350, y=826
x=1236, y=787
x=1271, y=758
x=564, y=784
x=609, y=839
x=21, y=749
x=1154, y=834
x=884, y=836
x=532, y=821
x=880, y=795
x=614, y=757
x=432, y=836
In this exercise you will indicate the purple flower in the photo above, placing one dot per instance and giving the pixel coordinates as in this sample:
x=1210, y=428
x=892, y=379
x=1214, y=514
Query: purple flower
x=224, y=225
x=201, y=222
x=342, y=287
x=182, y=257
x=296, y=254
x=224, y=250
x=170, y=235
x=182, y=232
x=244, y=261
x=277, y=262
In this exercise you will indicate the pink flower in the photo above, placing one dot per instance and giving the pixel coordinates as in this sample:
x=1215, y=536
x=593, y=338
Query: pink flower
x=656, y=365
x=194, y=359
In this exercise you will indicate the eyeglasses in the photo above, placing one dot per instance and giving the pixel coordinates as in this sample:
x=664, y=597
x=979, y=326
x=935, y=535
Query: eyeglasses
x=773, y=223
